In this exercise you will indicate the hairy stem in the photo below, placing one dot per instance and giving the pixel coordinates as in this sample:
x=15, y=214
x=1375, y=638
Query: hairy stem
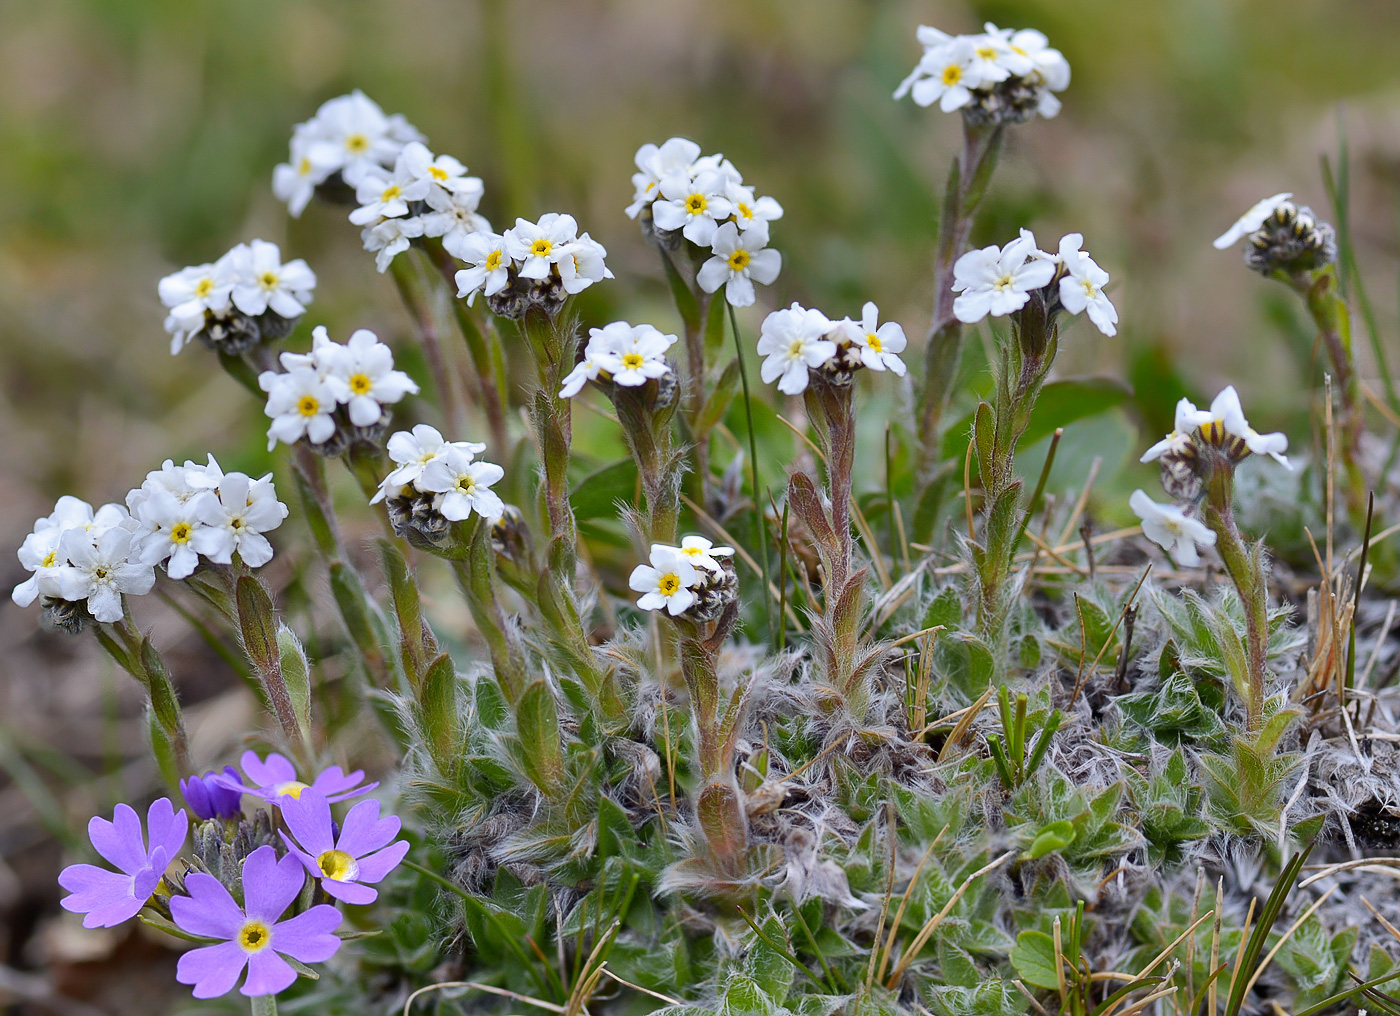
x=476, y=577
x=1329, y=313
x=1246, y=572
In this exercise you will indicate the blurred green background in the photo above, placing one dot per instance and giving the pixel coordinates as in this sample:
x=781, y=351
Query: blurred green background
x=137, y=136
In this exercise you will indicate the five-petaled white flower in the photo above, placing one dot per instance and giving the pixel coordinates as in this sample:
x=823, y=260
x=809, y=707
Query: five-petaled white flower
x=1081, y=289
x=1171, y=528
x=453, y=216
x=998, y=280
x=300, y=404
x=666, y=581
x=632, y=355
x=880, y=344
x=41, y=552
x=352, y=134
x=793, y=340
x=192, y=291
x=1251, y=220
x=702, y=553
x=442, y=172
x=654, y=164
x=412, y=451
x=361, y=374
x=465, y=485
x=101, y=570
x=694, y=205
x=489, y=262
x=262, y=281
x=1227, y=414
x=247, y=508
x=943, y=75
x=538, y=246
x=177, y=531
x=740, y=260
x=384, y=195
x=1188, y=418
x=390, y=238
x=750, y=211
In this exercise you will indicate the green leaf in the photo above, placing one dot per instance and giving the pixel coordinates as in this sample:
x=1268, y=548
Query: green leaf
x=541, y=755
x=598, y=494
x=1035, y=961
x=1055, y=836
x=296, y=673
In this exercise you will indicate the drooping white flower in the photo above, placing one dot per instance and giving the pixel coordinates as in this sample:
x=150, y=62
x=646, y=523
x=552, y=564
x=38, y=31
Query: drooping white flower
x=998, y=280
x=1171, y=529
x=489, y=263
x=177, y=531
x=654, y=164
x=295, y=181
x=538, y=246
x=390, y=238
x=880, y=344
x=793, y=342
x=100, y=570
x=453, y=216
x=1251, y=220
x=247, y=508
x=702, y=553
x=695, y=205
x=1227, y=414
x=300, y=404
x=1081, y=289
x=262, y=281
x=740, y=260
x=665, y=582
x=465, y=486
x=361, y=375
x=386, y=195
x=1188, y=418
x=581, y=264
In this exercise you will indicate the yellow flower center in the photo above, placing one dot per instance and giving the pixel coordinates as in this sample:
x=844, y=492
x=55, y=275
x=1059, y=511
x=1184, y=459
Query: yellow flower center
x=987, y=53
x=493, y=261
x=738, y=261
x=1019, y=50
x=203, y=287
x=309, y=405
x=357, y=143
x=633, y=361
x=1213, y=432
x=696, y=204
x=336, y=864
x=437, y=173
x=795, y=348
x=360, y=383
x=952, y=74
x=669, y=584
x=1090, y=289
x=745, y=212
x=180, y=533
x=268, y=280
x=1002, y=283
x=541, y=247
x=304, y=167
x=291, y=789
x=873, y=341
x=691, y=551
x=254, y=937
x=1172, y=525
x=466, y=483
x=100, y=573
x=50, y=559
x=391, y=192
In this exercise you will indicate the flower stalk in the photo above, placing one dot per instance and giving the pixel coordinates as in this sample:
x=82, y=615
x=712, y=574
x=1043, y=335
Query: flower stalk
x=135, y=654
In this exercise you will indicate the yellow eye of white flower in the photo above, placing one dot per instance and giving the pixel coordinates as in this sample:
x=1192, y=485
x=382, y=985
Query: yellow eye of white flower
x=304, y=167
x=254, y=936
x=1089, y=288
x=795, y=348
x=466, y=483
x=308, y=405
x=669, y=584
x=738, y=261
x=633, y=361
x=268, y=280
x=390, y=192
x=360, y=383
x=541, y=247
x=357, y=143
x=1002, y=283
x=50, y=559
x=873, y=341
x=203, y=287
x=696, y=204
x=437, y=174
x=745, y=212
x=493, y=261
x=987, y=53
x=180, y=533
x=952, y=74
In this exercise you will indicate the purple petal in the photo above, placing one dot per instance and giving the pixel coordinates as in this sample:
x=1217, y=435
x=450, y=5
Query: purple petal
x=374, y=867
x=208, y=909
x=308, y=817
x=267, y=772
x=364, y=831
x=212, y=969
x=337, y=785
x=226, y=801
x=104, y=896
x=166, y=828
x=268, y=974
x=307, y=861
x=308, y=936
x=196, y=795
x=120, y=840
x=350, y=892
x=270, y=885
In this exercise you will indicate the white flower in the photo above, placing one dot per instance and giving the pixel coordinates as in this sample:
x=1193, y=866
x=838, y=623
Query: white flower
x=1188, y=418
x=486, y=253
x=453, y=216
x=443, y=173
x=464, y=486
x=390, y=238
x=654, y=164
x=295, y=181
x=1251, y=220
x=943, y=75
x=352, y=134
x=1051, y=69
x=632, y=355
x=386, y=195
x=990, y=55
x=1171, y=529
x=412, y=451
x=39, y=553
x=1015, y=59
x=361, y=375
x=300, y=404
x=581, y=264
x=739, y=260
x=666, y=581
x=262, y=281
x=101, y=570
x=750, y=211
x=793, y=342
x=192, y=291
x=1082, y=288
x=584, y=371
x=879, y=344
x=694, y=206
x=701, y=552
x=996, y=280
x=1227, y=414
x=247, y=508
x=538, y=246
x=176, y=531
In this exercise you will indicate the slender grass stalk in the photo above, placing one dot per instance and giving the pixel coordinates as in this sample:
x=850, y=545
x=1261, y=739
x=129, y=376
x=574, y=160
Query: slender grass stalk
x=760, y=528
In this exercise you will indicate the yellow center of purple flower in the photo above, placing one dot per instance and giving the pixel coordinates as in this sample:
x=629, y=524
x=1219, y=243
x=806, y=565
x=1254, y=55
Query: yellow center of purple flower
x=291, y=789
x=337, y=865
x=254, y=937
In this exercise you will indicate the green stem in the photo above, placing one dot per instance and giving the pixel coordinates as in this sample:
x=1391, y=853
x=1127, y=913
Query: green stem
x=475, y=576
x=760, y=529
x=1246, y=573
x=551, y=416
x=1328, y=309
x=264, y=1005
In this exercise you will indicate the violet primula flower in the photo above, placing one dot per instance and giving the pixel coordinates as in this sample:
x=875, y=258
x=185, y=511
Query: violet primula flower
x=344, y=863
x=275, y=779
x=209, y=796
x=108, y=898
x=253, y=936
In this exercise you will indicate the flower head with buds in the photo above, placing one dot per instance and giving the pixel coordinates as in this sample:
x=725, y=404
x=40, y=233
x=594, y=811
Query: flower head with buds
x=998, y=280
x=464, y=486
x=210, y=797
x=1251, y=220
x=995, y=76
x=1224, y=424
x=247, y=296
x=654, y=164
x=793, y=341
x=666, y=581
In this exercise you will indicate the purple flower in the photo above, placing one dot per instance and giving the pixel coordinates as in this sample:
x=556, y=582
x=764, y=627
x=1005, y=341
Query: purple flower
x=343, y=863
x=275, y=779
x=110, y=897
x=210, y=797
x=253, y=937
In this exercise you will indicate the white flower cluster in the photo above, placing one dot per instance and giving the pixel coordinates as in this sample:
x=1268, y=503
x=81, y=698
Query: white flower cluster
x=674, y=573
x=445, y=471
x=997, y=75
x=348, y=137
x=795, y=341
x=628, y=355
x=178, y=515
x=302, y=399
x=422, y=195
x=999, y=280
x=1173, y=527
x=704, y=197
x=536, y=251
x=250, y=279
